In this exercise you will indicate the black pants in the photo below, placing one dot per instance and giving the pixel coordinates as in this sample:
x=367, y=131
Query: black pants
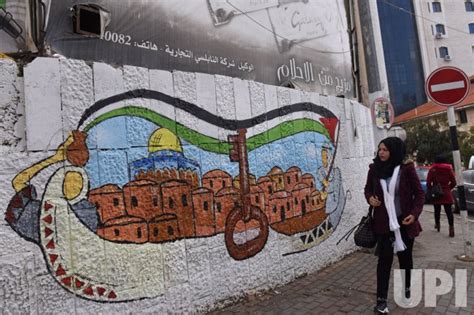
x=447, y=209
x=384, y=265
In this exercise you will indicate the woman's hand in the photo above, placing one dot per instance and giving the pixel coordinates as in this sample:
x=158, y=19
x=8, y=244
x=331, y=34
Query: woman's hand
x=408, y=219
x=374, y=201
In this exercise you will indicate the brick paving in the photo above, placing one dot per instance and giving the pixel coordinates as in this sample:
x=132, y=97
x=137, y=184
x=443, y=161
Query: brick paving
x=349, y=286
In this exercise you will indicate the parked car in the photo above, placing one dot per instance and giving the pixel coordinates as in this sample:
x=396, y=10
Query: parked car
x=422, y=172
x=468, y=178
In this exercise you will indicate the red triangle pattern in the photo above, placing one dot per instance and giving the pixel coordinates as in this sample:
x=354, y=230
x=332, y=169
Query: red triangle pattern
x=48, y=219
x=79, y=283
x=88, y=291
x=112, y=295
x=47, y=232
x=47, y=206
x=52, y=258
x=60, y=271
x=101, y=291
x=51, y=245
x=67, y=281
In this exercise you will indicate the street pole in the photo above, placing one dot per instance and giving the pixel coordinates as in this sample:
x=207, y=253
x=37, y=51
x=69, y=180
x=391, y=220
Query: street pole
x=460, y=186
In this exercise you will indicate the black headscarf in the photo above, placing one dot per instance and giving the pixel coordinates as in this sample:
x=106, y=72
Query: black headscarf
x=397, y=150
x=441, y=158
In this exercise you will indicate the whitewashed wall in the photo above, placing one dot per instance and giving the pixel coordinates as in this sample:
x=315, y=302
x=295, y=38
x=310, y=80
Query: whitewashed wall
x=198, y=274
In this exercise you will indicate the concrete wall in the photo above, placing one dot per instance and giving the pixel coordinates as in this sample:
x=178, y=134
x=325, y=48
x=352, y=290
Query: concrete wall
x=54, y=258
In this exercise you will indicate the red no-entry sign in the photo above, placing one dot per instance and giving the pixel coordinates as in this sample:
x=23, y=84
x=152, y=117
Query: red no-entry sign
x=447, y=86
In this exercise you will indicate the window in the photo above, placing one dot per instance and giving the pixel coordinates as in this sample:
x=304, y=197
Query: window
x=116, y=202
x=462, y=116
x=171, y=202
x=155, y=232
x=256, y=199
x=288, y=179
x=184, y=200
x=117, y=232
x=205, y=206
x=469, y=6
x=440, y=29
x=223, y=183
x=134, y=201
x=270, y=189
x=170, y=230
x=219, y=207
x=471, y=28
x=436, y=7
x=296, y=201
x=139, y=232
x=155, y=201
x=443, y=52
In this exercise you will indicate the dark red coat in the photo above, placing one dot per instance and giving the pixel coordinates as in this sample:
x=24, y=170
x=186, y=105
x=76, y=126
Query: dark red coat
x=443, y=174
x=411, y=195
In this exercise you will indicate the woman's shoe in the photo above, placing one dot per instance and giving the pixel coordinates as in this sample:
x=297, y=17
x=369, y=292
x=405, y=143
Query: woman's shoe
x=451, y=231
x=381, y=307
x=437, y=227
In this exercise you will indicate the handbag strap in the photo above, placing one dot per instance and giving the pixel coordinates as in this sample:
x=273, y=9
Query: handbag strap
x=352, y=229
x=346, y=236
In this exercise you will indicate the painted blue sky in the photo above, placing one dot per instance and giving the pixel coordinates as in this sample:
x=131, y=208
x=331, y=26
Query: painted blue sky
x=116, y=142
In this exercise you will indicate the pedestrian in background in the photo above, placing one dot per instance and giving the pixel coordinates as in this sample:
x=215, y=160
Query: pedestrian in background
x=395, y=192
x=442, y=172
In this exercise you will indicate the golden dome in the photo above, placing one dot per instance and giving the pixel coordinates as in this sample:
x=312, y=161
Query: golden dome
x=164, y=139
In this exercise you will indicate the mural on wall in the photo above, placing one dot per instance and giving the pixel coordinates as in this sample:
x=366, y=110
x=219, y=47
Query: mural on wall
x=176, y=183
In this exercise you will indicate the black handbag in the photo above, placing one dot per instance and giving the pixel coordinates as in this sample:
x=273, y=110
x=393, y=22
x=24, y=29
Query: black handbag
x=364, y=235
x=436, y=191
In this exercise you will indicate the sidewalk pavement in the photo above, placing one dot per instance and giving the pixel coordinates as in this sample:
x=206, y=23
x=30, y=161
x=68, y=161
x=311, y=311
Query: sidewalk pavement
x=349, y=286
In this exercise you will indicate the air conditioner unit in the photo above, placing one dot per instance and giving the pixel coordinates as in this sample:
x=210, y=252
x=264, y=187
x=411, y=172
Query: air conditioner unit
x=447, y=57
x=438, y=35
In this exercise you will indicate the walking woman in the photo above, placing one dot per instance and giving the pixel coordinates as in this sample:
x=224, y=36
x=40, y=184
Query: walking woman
x=394, y=191
x=442, y=172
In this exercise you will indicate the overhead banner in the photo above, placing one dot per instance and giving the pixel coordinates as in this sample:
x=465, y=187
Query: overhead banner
x=304, y=43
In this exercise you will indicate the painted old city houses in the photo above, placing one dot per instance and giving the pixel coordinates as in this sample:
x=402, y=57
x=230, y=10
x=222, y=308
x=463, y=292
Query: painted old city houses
x=164, y=204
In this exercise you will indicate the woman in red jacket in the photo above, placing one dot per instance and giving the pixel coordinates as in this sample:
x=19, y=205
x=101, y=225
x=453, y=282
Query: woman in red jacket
x=442, y=172
x=395, y=192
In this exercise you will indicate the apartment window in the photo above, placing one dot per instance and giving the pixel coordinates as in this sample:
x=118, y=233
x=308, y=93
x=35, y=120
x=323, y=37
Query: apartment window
x=440, y=29
x=462, y=116
x=471, y=28
x=443, y=52
x=436, y=6
x=469, y=6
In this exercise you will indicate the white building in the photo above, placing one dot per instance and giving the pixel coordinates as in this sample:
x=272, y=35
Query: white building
x=446, y=34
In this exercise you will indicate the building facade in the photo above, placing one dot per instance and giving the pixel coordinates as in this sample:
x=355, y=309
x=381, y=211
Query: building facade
x=403, y=60
x=446, y=34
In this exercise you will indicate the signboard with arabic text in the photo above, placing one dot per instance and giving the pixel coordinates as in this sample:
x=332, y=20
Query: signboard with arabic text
x=276, y=42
